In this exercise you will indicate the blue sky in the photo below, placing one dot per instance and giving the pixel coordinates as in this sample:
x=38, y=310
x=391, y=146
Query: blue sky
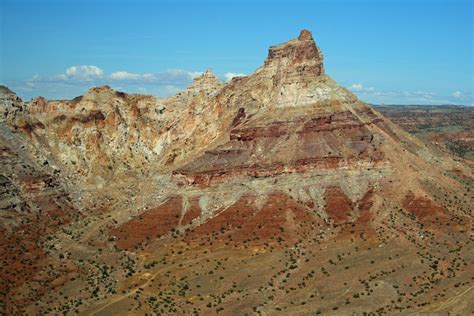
x=405, y=51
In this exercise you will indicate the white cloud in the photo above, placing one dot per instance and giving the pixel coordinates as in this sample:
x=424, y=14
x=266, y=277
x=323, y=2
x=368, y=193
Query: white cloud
x=86, y=73
x=123, y=75
x=229, y=75
x=170, y=89
x=93, y=75
x=61, y=77
x=195, y=74
x=359, y=87
x=127, y=76
x=457, y=94
x=132, y=77
x=176, y=76
x=77, y=79
x=373, y=95
x=356, y=86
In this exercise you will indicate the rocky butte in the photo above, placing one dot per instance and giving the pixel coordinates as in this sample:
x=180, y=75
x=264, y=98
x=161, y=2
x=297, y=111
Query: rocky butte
x=275, y=193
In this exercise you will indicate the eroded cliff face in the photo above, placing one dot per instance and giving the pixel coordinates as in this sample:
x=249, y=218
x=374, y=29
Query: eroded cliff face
x=276, y=159
x=107, y=134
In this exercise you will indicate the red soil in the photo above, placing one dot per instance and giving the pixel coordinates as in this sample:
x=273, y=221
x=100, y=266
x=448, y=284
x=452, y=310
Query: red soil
x=423, y=208
x=149, y=225
x=338, y=205
x=21, y=254
x=230, y=218
x=280, y=216
x=365, y=204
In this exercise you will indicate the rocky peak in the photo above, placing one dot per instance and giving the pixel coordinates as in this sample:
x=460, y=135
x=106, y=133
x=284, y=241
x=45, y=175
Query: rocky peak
x=208, y=74
x=100, y=90
x=207, y=83
x=294, y=76
x=5, y=91
x=10, y=104
x=299, y=56
x=38, y=104
x=208, y=77
x=305, y=35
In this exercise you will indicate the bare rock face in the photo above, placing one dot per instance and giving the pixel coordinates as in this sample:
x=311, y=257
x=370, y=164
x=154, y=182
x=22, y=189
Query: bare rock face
x=207, y=84
x=300, y=57
x=106, y=134
x=10, y=103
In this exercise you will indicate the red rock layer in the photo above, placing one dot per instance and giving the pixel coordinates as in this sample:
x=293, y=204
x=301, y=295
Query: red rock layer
x=230, y=218
x=365, y=205
x=279, y=218
x=256, y=170
x=338, y=205
x=149, y=225
x=262, y=148
x=423, y=208
x=300, y=125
